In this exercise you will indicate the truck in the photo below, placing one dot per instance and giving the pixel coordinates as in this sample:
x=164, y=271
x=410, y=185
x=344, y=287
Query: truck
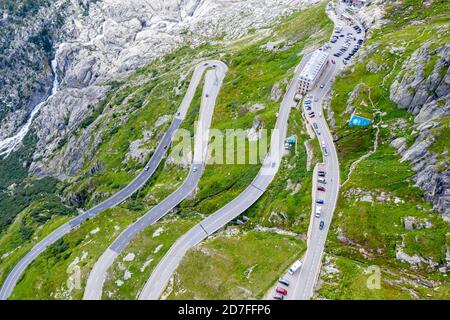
x=294, y=268
x=318, y=211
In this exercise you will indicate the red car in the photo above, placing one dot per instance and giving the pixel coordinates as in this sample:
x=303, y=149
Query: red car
x=282, y=291
x=321, y=189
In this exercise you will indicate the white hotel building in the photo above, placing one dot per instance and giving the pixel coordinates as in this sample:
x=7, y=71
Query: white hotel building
x=312, y=71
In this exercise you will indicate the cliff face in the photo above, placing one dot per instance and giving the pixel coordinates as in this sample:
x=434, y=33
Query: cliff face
x=423, y=88
x=28, y=30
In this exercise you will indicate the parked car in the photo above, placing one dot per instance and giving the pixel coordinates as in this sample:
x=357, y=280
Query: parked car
x=321, y=225
x=278, y=296
x=321, y=189
x=282, y=291
x=284, y=281
x=320, y=201
x=318, y=211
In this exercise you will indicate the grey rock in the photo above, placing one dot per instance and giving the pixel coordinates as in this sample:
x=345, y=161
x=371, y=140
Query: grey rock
x=412, y=88
x=276, y=92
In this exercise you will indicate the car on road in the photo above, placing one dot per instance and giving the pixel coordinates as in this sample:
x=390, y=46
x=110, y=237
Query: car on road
x=147, y=168
x=320, y=201
x=321, y=189
x=207, y=95
x=323, y=144
x=282, y=291
x=325, y=152
x=294, y=268
x=322, y=86
x=321, y=225
x=194, y=170
x=318, y=212
x=284, y=281
x=165, y=147
x=278, y=296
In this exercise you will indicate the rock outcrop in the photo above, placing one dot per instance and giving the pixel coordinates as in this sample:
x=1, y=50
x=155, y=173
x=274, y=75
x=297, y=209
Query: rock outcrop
x=28, y=30
x=423, y=88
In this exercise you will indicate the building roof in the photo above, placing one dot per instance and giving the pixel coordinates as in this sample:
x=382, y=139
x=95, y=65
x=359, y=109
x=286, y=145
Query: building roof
x=314, y=65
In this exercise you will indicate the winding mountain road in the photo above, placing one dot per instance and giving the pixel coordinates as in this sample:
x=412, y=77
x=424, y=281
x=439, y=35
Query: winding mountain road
x=213, y=82
x=15, y=274
x=162, y=273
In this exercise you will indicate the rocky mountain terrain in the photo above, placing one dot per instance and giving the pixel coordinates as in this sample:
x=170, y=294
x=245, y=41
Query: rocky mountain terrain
x=98, y=42
x=426, y=94
x=28, y=31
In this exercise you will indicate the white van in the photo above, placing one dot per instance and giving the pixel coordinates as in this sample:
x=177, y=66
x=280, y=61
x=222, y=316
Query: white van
x=318, y=211
x=293, y=269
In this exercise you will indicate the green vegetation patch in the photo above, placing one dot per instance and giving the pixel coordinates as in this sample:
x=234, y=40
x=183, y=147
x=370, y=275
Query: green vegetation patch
x=240, y=266
x=134, y=266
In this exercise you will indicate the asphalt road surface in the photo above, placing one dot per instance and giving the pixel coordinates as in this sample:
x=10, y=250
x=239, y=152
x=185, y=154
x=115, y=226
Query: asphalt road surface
x=213, y=82
x=162, y=273
x=15, y=274
x=302, y=284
